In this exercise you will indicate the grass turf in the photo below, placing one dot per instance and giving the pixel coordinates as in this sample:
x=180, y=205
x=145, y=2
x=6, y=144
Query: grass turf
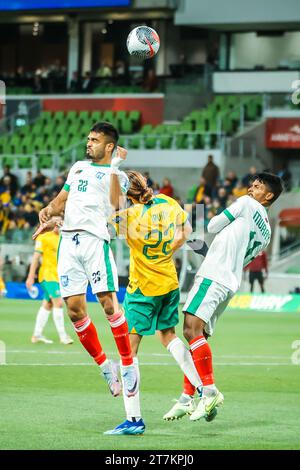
x=52, y=396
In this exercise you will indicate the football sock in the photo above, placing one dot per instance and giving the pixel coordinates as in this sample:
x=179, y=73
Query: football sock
x=88, y=337
x=119, y=329
x=184, y=359
x=184, y=398
x=188, y=388
x=58, y=317
x=41, y=320
x=132, y=404
x=202, y=357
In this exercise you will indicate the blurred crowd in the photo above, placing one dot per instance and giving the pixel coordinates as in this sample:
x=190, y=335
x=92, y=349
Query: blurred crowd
x=20, y=204
x=53, y=78
x=211, y=195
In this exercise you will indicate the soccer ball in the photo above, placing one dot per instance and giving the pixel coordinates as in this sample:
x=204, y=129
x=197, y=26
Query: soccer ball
x=143, y=42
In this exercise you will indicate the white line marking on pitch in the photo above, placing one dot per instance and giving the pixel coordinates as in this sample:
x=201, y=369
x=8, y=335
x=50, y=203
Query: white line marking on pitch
x=150, y=364
x=68, y=352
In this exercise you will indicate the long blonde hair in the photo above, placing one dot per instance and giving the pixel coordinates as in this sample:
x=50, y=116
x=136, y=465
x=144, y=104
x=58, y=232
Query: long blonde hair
x=138, y=189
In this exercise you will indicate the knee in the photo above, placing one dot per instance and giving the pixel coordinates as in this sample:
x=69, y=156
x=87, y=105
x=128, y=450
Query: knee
x=76, y=312
x=107, y=304
x=187, y=333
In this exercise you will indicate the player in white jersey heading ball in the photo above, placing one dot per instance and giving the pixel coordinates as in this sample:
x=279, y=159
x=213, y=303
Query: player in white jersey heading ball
x=242, y=231
x=94, y=187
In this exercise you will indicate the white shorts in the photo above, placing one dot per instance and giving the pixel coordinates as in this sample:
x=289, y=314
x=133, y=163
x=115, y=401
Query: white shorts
x=83, y=258
x=207, y=300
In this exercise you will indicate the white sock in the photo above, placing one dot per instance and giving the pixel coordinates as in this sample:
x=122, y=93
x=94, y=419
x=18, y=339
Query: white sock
x=184, y=359
x=210, y=390
x=41, y=320
x=132, y=404
x=58, y=317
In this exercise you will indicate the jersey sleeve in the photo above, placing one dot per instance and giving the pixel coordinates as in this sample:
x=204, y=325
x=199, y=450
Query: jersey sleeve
x=38, y=247
x=232, y=212
x=124, y=181
x=70, y=176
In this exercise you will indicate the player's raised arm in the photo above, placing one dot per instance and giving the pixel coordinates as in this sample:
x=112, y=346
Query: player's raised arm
x=117, y=189
x=220, y=221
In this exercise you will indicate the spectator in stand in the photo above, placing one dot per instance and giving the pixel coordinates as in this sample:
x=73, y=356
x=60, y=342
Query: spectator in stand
x=104, y=71
x=155, y=187
x=14, y=183
x=222, y=198
x=39, y=179
x=149, y=179
x=5, y=192
x=202, y=190
x=58, y=185
x=31, y=217
x=87, y=84
x=258, y=270
x=120, y=69
x=249, y=176
x=239, y=190
x=150, y=83
x=211, y=172
x=232, y=179
x=286, y=176
x=28, y=186
x=167, y=188
x=75, y=83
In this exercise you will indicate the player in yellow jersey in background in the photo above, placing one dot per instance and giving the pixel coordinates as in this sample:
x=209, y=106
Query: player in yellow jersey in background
x=45, y=249
x=2, y=283
x=154, y=227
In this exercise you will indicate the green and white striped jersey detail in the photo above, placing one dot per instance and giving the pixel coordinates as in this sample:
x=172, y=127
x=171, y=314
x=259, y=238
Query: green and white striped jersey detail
x=88, y=205
x=243, y=230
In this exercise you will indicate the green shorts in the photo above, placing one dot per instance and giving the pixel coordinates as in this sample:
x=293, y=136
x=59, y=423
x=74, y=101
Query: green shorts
x=146, y=314
x=51, y=290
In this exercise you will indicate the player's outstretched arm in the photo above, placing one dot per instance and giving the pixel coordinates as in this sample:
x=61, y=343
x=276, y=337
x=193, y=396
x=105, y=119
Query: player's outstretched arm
x=236, y=209
x=217, y=223
x=55, y=208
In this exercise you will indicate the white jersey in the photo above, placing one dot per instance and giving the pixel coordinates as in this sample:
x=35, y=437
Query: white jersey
x=243, y=230
x=88, y=205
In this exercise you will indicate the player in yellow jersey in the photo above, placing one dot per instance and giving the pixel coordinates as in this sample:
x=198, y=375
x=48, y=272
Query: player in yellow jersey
x=46, y=247
x=2, y=283
x=154, y=227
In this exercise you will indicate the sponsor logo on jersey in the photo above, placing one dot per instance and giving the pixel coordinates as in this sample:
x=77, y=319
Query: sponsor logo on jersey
x=99, y=175
x=64, y=280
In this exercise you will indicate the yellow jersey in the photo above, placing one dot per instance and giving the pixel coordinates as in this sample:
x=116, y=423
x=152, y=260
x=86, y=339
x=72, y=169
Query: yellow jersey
x=47, y=245
x=149, y=230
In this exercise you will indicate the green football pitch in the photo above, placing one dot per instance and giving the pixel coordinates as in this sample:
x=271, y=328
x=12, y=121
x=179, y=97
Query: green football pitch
x=53, y=397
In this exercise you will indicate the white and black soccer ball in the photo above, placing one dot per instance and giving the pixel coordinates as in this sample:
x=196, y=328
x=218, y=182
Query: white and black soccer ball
x=143, y=42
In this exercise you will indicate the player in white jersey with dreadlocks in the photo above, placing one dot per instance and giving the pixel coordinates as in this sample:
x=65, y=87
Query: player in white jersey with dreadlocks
x=242, y=231
x=92, y=189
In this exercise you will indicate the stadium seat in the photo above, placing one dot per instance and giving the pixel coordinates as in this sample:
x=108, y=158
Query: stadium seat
x=95, y=117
